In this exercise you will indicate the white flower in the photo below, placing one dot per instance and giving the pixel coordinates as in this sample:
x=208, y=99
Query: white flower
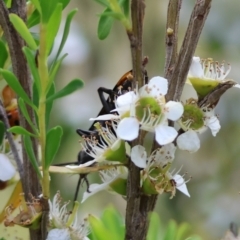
x=59, y=234
x=160, y=157
x=189, y=140
x=7, y=170
x=108, y=177
x=181, y=184
x=205, y=75
x=65, y=225
x=103, y=145
x=148, y=111
x=155, y=177
x=208, y=70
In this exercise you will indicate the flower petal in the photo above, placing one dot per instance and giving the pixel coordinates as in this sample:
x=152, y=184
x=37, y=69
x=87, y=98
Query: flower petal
x=105, y=117
x=7, y=170
x=95, y=188
x=128, y=129
x=126, y=99
x=165, y=134
x=196, y=69
x=139, y=156
x=60, y=234
x=158, y=86
x=214, y=124
x=189, y=141
x=173, y=110
x=181, y=185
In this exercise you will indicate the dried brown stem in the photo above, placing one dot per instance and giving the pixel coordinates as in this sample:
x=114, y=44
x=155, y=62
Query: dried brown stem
x=135, y=219
x=196, y=23
x=19, y=64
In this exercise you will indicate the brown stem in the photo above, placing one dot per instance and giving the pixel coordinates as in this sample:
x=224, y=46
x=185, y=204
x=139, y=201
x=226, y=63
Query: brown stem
x=171, y=39
x=15, y=42
x=196, y=23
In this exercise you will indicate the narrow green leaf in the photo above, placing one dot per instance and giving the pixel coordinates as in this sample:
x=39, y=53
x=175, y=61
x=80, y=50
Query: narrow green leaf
x=65, y=32
x=33, y=19
x=70, y=88
x=22, y=29
x=16, y=87
x=105, y=3
x=2, y=132
x=37, y=5
x=31, y=62
x=29, y=149
x=64, y=3
x=4, y=54
x=47, y=9
x=54, y=137
x=117, y=16
x=154, y=227
x=21, y=131
x=98, y=229
x=171, y=231
x=182, y=231
x=126, y=7
x=113, y=222
x=24, y=111
x=104, y=25
x=53, y=26
x=54, y=70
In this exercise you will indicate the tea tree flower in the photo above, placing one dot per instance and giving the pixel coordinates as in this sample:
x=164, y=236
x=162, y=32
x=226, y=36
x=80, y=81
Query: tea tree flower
x=65, y=224
x=146, y=110
x=196, y=120
x=113, y=180
x=156, y=177
x=205, y=75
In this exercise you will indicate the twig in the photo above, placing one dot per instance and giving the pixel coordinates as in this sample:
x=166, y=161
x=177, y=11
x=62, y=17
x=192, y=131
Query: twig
x=135, y=220
x=19, y=64
x=196, y=23
x=171, y=39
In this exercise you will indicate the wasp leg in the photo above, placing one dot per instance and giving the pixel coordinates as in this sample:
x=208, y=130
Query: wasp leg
x=108, y=104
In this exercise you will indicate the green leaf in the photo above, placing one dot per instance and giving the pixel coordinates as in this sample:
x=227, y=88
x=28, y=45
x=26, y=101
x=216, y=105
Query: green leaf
x=2, y=132
x=48, y=8
x=117, y=16
x=114, y=223
x=16, y=87
x=29, y=149
x=65, y=32
x=171, y=231
x=4, y=54
x=104, y=25
x=105, y=3
x=126, y=7
x=24, y=111
x=154, y=227
x=31, y=62
x=54, y=137
x=70, y=88
x=37, y=5
x=22, y=29
x=98, y=229
x=182, y=231
x=54, y=70
x=21, y=131
x=53, y=26
x=33, y=19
